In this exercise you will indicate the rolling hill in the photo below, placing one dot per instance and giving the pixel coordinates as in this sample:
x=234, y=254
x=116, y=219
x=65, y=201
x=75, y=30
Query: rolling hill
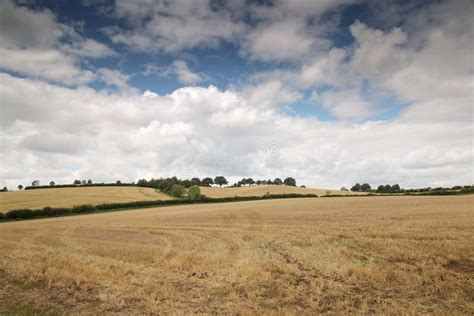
x=68, y=197
x=260, y=190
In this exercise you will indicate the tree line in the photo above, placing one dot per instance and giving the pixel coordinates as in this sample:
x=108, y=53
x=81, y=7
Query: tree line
x=164, y=184
x=178, y=187
x=395, y=188
x=249, y=181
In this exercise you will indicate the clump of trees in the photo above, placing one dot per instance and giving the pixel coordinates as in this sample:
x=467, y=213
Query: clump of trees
x=177, y=187
x=365, y=187
x=165, y=184
x=387, y=188
x=249, y=181
x=220, y=181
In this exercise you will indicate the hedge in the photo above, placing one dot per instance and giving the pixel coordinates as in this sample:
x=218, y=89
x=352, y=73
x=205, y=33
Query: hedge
x=80, y=185
x=86, y=208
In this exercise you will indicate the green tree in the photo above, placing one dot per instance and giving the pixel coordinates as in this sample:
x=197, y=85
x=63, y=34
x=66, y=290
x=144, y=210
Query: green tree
x=195, y=181
x=381, y=188
x=290, y=182
x=344, y=189
x=52, y=184
x=356, y=188
x=194, y=192
x=387, y=188
x=207, y=182
x=20, y=187
x=365, y=187
x=277, y=181
x=89, y=182
x=77, y=182
x=396, y=188
x=220, y=181
x=177, y=190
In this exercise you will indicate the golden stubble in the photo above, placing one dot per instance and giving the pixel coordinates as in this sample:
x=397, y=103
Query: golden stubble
x=373, y=255
x=68, y=197
x=260, y=190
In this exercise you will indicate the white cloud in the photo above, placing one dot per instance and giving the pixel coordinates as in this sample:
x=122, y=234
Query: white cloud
x=195, y=131
x=179, y=68
x=24, y=28
x=115, y=78
x=31, y=43
x=285, y=30
x=173, y=26
x=184, y=74
x=45, y=64
x=345, y=104
x=203, y=131
x=88, y=48
x=281, y=40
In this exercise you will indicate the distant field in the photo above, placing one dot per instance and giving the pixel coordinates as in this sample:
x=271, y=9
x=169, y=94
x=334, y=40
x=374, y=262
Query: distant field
x=261, y=190
x=355, y=255
x=68, y=197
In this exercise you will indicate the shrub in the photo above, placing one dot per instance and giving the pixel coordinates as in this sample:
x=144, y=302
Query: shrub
x=83, y=209
x=177, y=190
x=194, y=192
x=20, y=214
x=55, y=211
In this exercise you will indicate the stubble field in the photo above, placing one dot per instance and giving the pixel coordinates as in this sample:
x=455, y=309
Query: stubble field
x=68, y=197
x=402, y=254
x=260, y=190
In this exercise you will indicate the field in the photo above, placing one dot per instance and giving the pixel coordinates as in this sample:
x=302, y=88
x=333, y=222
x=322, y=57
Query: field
x=68, y=197
x=261, y=190
x=397, y=255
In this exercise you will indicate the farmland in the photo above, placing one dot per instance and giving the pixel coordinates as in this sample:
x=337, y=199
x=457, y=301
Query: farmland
x=354, y=254
x=261, y=190
x=68, y=197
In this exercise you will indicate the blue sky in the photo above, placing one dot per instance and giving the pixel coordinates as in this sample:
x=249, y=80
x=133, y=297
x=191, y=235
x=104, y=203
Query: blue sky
x=202, y=82
x=223, y=66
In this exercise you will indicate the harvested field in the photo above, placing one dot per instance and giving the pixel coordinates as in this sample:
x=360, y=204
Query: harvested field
x=375, y=255
x=68, y=197
x=261, y=190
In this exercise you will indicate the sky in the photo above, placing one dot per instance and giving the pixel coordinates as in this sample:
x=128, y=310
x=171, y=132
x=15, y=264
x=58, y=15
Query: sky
x=330, y=92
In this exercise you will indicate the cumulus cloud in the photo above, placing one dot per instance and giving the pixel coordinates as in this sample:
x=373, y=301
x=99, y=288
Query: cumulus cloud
x=46, y=64
x=280, y=31
x=88, y=48
x=345, y=104
x=178, y=68
x=205, y=131
x=24, y=28
x=115, y=78
x=422, y=61
x=173, y=26
x=31, y=44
